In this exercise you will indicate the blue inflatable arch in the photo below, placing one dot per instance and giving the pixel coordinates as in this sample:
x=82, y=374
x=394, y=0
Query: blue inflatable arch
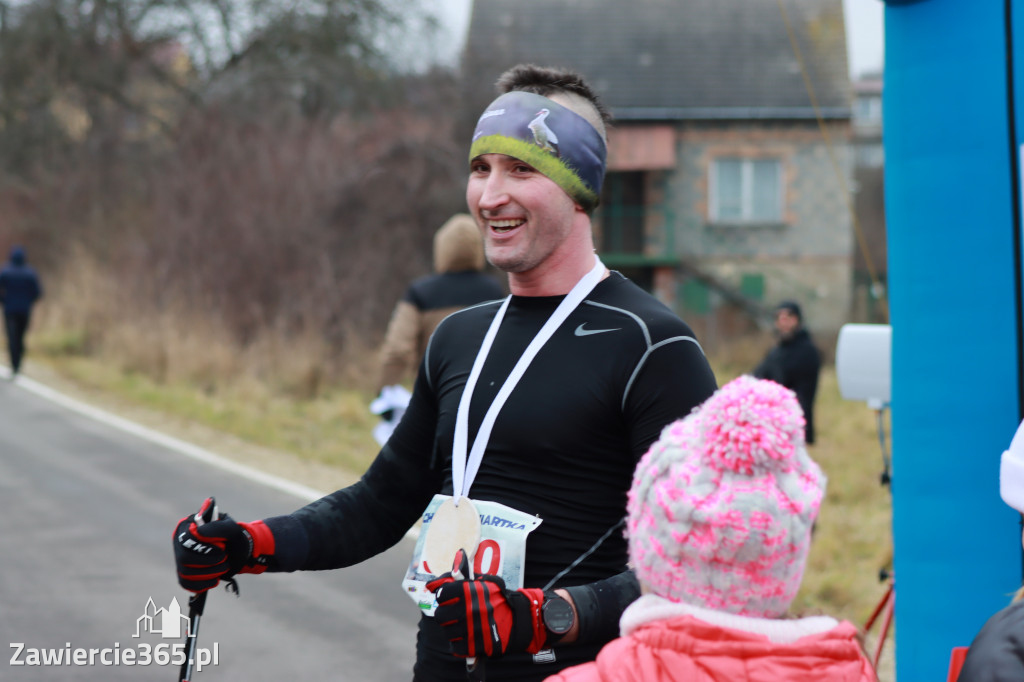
x=954, y=122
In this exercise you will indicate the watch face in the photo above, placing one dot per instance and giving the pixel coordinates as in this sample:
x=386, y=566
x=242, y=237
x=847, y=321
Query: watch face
x=558, y=615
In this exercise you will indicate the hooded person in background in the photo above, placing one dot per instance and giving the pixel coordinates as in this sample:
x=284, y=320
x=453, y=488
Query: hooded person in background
x=997, y=652
x=19, y=290
x=719, y=525
x=458, y=282
x=795, y=362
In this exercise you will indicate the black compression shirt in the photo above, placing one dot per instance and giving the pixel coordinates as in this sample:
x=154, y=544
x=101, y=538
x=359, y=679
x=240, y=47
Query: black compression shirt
x=564, y=446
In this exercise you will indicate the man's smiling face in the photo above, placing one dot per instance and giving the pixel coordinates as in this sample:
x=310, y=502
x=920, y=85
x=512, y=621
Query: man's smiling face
x=524, y=216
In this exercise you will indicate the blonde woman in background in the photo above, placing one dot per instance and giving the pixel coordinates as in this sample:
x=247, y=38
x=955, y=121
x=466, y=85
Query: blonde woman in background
x=459, y=281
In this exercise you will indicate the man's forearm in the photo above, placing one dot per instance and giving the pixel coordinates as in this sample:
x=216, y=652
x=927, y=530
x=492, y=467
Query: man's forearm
x=599, y=606
x=355, y=523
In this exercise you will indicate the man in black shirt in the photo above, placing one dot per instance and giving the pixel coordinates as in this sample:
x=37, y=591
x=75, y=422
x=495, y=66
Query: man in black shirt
x=530, y=413
x=795, y=362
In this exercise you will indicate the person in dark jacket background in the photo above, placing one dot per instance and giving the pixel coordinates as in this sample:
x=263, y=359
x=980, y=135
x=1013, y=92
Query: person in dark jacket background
x=795, y=362
x=19, y=291
x=997, y=652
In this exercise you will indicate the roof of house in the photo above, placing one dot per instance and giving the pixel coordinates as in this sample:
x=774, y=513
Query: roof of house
x=674, y=59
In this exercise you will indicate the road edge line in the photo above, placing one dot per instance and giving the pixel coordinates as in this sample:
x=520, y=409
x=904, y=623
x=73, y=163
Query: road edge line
x=170, y=442
x=299, y=490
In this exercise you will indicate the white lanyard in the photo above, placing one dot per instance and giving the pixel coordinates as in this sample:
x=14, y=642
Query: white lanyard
x=463, y=472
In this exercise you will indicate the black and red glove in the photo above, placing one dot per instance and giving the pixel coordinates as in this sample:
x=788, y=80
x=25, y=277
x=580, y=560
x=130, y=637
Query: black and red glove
x=206, y=553
x=482, y=618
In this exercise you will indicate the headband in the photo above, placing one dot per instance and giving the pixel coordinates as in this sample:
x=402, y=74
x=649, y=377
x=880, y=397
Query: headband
x=556, y=141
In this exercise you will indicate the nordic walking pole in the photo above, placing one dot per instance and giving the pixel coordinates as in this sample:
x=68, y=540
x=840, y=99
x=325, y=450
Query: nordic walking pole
x=196, y=604
x=463, y=570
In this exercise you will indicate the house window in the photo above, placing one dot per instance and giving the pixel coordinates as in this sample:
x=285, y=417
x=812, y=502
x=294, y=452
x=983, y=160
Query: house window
x=867, y=109
x=623, y=207
x=746, y=190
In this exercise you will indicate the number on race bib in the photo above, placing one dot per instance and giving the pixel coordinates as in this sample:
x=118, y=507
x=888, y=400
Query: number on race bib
x=488, y=551
x=499, y=538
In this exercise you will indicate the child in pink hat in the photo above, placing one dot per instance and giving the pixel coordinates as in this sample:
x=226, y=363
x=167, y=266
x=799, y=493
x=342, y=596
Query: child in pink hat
x=719, y=526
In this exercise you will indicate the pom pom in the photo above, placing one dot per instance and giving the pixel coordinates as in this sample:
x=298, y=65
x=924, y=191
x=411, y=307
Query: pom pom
x=750, y=426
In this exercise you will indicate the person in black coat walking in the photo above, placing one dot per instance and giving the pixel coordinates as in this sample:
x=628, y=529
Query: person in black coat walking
x=19, y=291
x=795, y=362
x=997, y=652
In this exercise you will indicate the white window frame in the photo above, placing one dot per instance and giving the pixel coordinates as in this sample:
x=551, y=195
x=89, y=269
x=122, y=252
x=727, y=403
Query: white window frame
x=746, y=190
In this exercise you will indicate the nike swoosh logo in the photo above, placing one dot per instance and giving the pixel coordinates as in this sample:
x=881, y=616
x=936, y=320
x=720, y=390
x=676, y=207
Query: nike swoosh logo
x=580, y=331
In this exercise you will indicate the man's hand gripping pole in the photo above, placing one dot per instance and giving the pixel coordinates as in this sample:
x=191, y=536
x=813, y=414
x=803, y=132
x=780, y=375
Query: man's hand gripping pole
x=463, y=570
x=197, y=602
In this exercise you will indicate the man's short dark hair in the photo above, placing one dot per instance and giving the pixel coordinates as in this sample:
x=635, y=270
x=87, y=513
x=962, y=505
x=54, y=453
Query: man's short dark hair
x=547, y=81
x=792, y=307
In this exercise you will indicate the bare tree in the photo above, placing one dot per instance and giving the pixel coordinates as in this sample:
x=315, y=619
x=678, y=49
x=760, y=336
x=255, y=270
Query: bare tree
x=268, y=165
x=104, y=71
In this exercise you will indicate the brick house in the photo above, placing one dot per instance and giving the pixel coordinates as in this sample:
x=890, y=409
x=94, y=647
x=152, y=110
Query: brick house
x=726, y=187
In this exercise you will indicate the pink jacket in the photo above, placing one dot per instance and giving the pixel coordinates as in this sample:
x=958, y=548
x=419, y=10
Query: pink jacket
x=668, y=642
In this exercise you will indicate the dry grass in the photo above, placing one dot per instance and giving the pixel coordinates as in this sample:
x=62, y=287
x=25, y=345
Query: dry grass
x=287, y=391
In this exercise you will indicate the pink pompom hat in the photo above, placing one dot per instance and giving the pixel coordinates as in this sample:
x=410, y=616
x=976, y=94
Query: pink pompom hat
x=721, y=507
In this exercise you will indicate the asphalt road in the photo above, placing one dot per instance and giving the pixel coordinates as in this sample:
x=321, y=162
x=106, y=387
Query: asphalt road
x=86, y=516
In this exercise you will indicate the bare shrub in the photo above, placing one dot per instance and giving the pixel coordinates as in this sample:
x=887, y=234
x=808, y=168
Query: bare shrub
x=281, y=242
x=299, y=226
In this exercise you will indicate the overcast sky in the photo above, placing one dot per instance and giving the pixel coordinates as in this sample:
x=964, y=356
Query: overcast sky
x=864, y=35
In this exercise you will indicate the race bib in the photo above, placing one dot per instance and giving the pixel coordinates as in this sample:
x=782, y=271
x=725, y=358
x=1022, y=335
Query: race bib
x=501, y=551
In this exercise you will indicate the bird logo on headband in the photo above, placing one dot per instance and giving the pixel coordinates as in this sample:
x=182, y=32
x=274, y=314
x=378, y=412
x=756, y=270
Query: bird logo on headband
x=522, y=125
x=542, y=134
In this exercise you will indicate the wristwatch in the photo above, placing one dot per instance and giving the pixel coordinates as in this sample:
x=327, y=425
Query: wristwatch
x=558, y=616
